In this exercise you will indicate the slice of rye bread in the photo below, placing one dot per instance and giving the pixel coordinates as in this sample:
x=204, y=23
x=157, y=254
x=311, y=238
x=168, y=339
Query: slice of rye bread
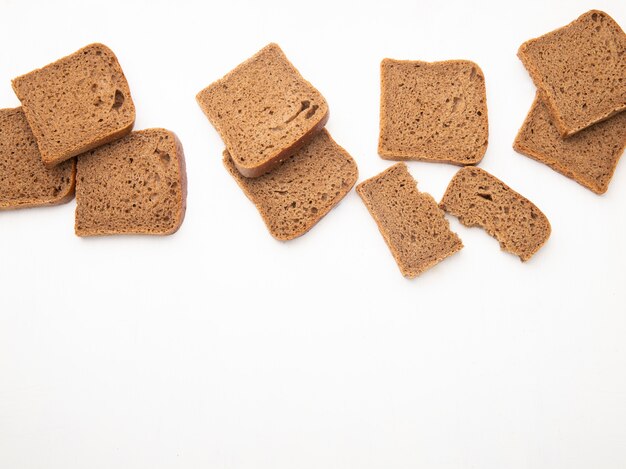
x=580, y=70
x=411, y=223
x=24, y=180
x=136, y=185
x=479, y=199
x=589, y=157
x=77, y=103
x=300, y=191
x=264, y=111
x=433, y=111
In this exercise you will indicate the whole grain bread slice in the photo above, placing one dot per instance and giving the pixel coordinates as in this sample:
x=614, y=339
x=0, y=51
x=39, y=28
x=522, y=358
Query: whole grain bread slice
x=136, y=185
x=77, y=103
x=264, y=111
x=433, y=111
x=24, y=180
x=302, y=189
x=589, y=157
x=411, y=223
x=479, y=199
x=580, y=70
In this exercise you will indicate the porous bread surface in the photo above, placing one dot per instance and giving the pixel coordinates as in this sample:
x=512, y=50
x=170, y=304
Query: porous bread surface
x=136, y=185
x=77, y=103
x=297, y=194
x=24, y=180
x=433, y=111
x=263, y=110
x=580, y=70
x=589, y=157
x=479, y=199
x=411, y=223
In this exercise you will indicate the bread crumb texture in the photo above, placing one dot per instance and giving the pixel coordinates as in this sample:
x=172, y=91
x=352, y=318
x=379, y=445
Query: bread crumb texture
x=433, y=111
x=301, y=190
x=411, y=223
x=580, y=70
x=264, y=111
x=76, y=103
x=479, y=199
x=24, y=180
x=136, y=185
x=588, y=157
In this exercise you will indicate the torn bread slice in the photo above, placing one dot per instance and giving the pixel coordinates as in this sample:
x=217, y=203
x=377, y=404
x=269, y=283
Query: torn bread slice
x=77, y=103
x=411, y=223
x=24, y=180
x=301, y=190
x=433, y=111
x=136, y=185
x=580, y=70
x=264, y=111
x=588, y=157
x=477, y=198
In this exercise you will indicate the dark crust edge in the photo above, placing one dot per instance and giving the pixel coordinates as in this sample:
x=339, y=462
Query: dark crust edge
x=395, y=156
x=406, y=272
x=548, y=97
x=461, y=217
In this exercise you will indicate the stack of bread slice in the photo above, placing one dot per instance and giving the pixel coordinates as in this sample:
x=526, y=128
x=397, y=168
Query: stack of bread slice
x=577, y=122
x=73, y=132
x=272, y=123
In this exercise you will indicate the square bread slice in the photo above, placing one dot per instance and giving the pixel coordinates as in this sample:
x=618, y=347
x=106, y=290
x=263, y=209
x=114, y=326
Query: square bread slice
x=77, y=103
x=580, y=70
x=264, y=111
x=413, y=226
x=136, y=185
x=433, y=111
x=302, y=189
x=479, y=199
x=24, y=180
x=588, y=157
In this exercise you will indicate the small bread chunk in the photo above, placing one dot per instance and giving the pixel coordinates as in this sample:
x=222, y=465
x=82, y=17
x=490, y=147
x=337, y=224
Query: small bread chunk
x=433, y=111
x=136, y=185
x=479, y=199
x=300, y=191
x=77, y=103
x=589, y=157
x=580, y=70
x=264, y=111
x=24, y=180
x=411, y=223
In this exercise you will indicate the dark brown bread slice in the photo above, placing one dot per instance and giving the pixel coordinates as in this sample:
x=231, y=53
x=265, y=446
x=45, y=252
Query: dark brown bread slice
x=479, y=199
x=136, y=185
x=77, y=103
x=580, y=70
x=411, y=223
x=589, y=157
x=433, y=111
x=24, y=180
x=300, y=191
x=264, y=111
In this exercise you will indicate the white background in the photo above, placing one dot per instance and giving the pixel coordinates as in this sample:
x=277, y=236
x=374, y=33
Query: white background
x=220, y=347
